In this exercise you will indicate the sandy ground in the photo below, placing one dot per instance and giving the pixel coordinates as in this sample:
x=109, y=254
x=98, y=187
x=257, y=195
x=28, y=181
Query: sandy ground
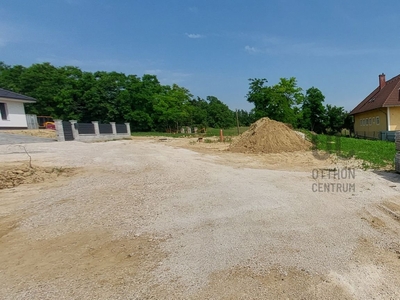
x=44, y=133
x=176, y=219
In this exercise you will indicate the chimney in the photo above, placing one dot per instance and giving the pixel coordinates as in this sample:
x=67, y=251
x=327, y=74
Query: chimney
x=382, y=81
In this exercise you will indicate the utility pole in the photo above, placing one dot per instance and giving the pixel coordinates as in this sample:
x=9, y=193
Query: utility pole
x=237, y=121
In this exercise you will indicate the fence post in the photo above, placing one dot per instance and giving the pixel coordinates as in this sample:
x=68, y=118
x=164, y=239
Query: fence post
x=59, y=130
x=96, y=128
x=114, y=129
x=128, y=128
x=75, y=131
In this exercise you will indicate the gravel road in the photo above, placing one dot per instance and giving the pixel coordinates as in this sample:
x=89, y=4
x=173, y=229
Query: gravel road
x=144, y=220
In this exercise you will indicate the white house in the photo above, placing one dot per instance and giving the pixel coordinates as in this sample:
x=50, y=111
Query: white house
x=12, y=111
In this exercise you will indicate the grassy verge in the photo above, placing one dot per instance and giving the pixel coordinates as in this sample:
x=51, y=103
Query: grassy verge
x=210, y=132
x=375, y=154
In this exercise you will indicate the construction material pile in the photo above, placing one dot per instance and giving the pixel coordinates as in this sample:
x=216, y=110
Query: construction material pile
x=269, y=136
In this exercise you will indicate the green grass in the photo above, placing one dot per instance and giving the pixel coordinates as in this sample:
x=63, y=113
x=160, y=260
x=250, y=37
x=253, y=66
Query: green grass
x=374, y=153
x=210, y=132
x=155, y=133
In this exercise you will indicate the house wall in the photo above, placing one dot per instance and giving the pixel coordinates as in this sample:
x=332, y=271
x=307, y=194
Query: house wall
x=16, y=115
x=394, y=118
x=365, y=124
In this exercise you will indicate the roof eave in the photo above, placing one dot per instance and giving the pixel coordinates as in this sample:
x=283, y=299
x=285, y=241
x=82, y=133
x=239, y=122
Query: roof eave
x=18, y=100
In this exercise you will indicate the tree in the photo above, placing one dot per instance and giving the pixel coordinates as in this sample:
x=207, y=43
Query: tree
x=288, y=96
x=277, y=102
x=172, y=108
x=10, y=77
x=42, y=82
x=219, y=114
x=245, y=118
x=261, y=96
x=313, y=111
x=336, y=117
x=69, y=93
x=198, y=112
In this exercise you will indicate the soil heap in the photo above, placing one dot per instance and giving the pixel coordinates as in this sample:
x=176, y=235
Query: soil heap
x=269, y=136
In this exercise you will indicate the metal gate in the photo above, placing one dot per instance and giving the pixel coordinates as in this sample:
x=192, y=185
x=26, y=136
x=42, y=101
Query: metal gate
x=32, y=122
x=68, y=135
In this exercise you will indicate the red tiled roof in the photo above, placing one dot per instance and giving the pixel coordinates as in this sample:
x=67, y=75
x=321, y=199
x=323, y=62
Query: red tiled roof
x=389, y=95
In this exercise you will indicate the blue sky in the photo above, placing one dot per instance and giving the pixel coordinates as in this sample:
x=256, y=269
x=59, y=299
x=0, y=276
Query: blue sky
x=213, y=47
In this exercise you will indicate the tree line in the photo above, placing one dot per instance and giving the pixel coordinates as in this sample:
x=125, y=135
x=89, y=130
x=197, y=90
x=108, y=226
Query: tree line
x=68, y=93
x=286, y=102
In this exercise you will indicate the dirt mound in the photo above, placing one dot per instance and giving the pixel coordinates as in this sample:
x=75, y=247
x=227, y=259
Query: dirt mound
x=14, y=175
x=269, y=136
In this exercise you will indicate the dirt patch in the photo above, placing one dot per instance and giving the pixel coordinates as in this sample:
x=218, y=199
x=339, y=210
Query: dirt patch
x=269, y=136
x=95, y=257
x=372, y=220
x=44, y=133
x=374, y=271
x=391, y=209
x=12, y=174
x=278, y=283
x=7, y=224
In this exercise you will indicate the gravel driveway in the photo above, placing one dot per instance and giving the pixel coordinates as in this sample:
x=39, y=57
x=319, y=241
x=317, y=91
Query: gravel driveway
x=8, y=139
x=144, y=220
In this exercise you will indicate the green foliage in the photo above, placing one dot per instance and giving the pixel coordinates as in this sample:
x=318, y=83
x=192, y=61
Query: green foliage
x=335, y=118
x=286, y=103
x=69, y=93
x=210, y=133
x=218, y=114
x=245, y=118
x=313, y=111
x=277, y=102
x=172, y=107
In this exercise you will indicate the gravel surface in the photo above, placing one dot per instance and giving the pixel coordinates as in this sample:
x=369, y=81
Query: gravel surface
x=142, y=219
x=9, y=139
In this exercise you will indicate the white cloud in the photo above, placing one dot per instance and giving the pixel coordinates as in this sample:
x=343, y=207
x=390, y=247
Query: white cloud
x=194, y=35
x=252, y=50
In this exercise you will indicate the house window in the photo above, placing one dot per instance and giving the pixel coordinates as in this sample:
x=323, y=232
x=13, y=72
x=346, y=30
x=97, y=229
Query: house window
x=377, y=121
x=370, y=121
x=373, y=120
x=3, y=111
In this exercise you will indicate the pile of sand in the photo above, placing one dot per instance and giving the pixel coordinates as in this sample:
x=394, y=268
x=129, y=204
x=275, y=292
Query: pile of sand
x=269, y=136
x=14, y=175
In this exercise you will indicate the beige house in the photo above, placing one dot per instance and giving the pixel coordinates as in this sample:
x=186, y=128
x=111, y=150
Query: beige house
x=379, y=111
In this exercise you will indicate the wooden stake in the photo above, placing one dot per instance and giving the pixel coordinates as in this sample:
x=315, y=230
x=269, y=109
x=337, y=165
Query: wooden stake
x=237, y=122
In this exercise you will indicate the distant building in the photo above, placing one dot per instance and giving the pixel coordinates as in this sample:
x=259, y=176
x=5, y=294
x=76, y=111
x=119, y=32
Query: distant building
x=12, y=111
x=380, y=110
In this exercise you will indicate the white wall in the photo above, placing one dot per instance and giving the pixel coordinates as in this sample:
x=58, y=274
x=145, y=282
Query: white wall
x=16, y=114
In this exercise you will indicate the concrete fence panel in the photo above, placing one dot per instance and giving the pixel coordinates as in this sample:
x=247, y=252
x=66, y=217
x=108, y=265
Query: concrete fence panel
x=91, y=132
